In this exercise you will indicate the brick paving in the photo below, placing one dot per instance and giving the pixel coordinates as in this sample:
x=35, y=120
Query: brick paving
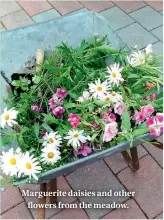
x=132, y=212
x=138, y=23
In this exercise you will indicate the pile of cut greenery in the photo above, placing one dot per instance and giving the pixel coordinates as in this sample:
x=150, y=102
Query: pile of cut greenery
x=81, y=101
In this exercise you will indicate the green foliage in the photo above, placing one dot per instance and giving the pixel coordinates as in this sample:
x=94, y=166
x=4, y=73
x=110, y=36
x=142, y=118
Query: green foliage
x=126, y=125
x=73, y=69
x=22, y=83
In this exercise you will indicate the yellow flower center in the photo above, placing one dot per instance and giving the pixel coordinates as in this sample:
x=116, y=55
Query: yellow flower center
x=114, y=75
x=99, y=88
x=12, y=161
x=6, y=117
x=113, y=94
x=75, y=135
x=51, y=140
x=141, y=59
x=107, y=99
x=51, y=155
x=28, y=166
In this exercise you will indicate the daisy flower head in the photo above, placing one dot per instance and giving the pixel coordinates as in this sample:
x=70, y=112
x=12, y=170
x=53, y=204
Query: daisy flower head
x=76, y=138
x=136, y=58
x=52, y=138
x=50, y=155
x=9, y=162
x=8, y=117
x=29, y=166
x=115, y=76
x=99, y=89
x=107, y=100
x=149, y=49
x=115, y=97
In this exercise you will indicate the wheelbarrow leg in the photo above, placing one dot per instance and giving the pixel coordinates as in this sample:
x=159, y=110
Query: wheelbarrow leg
x=157, y=144
x=132, y=161
x=135, y=160
x=41, y=211
x=52, y=187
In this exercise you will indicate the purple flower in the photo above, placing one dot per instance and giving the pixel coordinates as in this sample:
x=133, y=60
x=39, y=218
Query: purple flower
x=54, y=101
x=58, y=111
x=148, y=97
x=61, y=93
x=154, y=96
x=57, y=64
x=36, y=108
x=84, y=150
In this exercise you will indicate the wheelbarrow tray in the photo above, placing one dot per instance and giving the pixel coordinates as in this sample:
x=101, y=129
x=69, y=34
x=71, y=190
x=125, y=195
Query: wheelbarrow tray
x=20, y=45
x=69, y=167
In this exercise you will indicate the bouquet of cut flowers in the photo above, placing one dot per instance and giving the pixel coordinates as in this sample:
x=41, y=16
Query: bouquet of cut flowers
x=77, y=102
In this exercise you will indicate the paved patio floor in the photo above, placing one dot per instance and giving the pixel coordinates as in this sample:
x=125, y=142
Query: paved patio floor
x=138, y=23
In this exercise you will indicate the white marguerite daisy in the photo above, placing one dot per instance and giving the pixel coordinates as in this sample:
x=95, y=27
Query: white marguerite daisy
x=149, y=49
x=8, y=117
x=107, y=100
x=52, y=138
x=29, y=166
x=115, y=97
x=9, y=162
x=50, y=155
x=115, y=76
x=136, y=58
x=98, y=90
x=75, y=138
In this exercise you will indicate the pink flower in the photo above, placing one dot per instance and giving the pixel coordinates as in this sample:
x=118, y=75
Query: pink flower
x=61, y=93
x=84, y=150
x=108, y=116
x=36, y=108
x=58, y=111
x=139, y=117
x=104, y=116
x=94, y=124
x=74, y=120
x=156, y=124
x=110, y=131
x=109, y=111
x=54, y=101
x=119, y=108
x=147, y=110
x=111, y=118
x=151, y=122
x=159, y=118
